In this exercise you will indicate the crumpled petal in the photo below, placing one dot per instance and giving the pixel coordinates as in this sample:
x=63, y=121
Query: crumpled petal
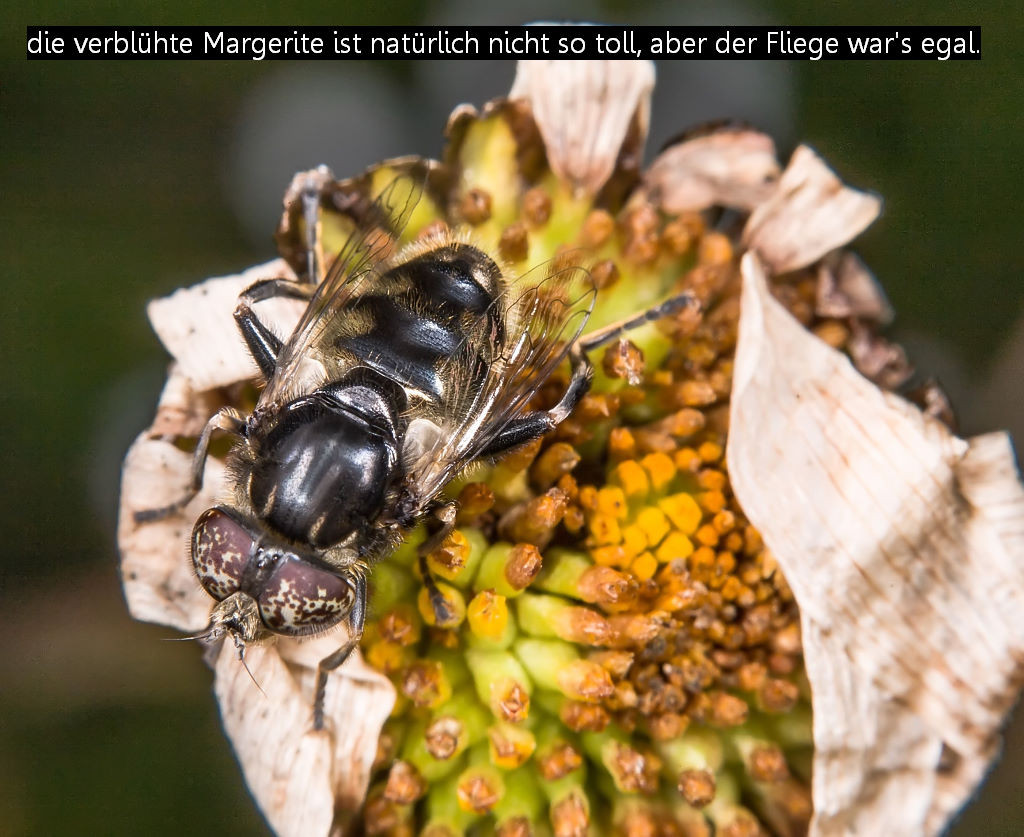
x=729, y=166
x=809, y=214
x=847, y=288
x=584, y=110
x=197, y=327
x=302, y=779
x=159, y=583
x=903, y=545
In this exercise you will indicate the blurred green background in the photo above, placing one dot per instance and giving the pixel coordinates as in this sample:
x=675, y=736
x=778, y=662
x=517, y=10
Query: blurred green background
x=124, y=180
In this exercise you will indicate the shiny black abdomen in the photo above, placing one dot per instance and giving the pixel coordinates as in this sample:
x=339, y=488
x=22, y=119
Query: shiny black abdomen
x=420, y=317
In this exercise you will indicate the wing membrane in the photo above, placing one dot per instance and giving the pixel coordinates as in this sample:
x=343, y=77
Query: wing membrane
x=308, y=358
x=545, y=310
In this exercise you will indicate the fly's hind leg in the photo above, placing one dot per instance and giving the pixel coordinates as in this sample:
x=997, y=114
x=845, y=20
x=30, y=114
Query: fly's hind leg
x=227, y=419
x=442, y=522
x=356, y=621
x=604, y=336
x=264, y=345
x=533, y=425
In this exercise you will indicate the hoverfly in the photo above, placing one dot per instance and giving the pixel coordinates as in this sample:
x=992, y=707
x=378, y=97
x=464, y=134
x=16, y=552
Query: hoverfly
x=408, y=364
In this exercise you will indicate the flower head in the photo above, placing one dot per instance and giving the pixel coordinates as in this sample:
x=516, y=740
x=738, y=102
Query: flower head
x=639, y=606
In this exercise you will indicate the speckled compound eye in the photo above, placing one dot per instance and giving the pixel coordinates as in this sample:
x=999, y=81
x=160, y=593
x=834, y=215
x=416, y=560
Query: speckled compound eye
x=301, y=598
x=220, y=551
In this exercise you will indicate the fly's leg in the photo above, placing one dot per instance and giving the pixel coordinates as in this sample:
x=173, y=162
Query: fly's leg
x=533, y=425
x=356, y=621
x=603, y=336
x=444, y=523
x=227, y=419
x=264, y=345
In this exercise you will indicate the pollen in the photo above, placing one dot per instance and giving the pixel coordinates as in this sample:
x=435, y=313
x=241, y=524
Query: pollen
x=631, y=478
x=682, y=510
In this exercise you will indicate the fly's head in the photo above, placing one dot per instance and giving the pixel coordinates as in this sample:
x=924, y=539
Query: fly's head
x=263, y=587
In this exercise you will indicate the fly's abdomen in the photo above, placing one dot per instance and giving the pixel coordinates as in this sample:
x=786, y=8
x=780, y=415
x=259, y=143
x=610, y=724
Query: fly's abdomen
x=424, y=313
x=401, y=344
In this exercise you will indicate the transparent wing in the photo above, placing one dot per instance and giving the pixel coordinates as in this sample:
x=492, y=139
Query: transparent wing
x=307, y=360
x=545, y=311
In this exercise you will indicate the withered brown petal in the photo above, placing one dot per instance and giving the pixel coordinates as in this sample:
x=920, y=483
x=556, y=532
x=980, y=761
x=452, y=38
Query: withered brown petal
x=903, y=546
x=809, y=213
x=733, y=167
x=584, y=110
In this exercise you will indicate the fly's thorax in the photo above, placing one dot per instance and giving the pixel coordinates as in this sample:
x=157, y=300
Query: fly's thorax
x=320, y=472
x=263, y=587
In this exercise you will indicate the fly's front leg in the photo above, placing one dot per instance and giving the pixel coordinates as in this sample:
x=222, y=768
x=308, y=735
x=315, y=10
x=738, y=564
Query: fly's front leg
x=264, y=345
x=443, y=521
x=227, y=419
x=356, y=621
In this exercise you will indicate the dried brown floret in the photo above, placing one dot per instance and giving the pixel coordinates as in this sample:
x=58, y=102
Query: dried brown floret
x=475, y=207
x=697, y=786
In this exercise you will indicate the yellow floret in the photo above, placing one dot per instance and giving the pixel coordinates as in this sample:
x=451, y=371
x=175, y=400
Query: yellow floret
x=654, y=524
x=675, y=545
x=634, y=539
x=710, y=451
x=612, y=555
x=604, y=530
x=631, y=477
x=611, y=500
x=687, y=459
x=644, y=566
x=683, y=511
x=660, y=468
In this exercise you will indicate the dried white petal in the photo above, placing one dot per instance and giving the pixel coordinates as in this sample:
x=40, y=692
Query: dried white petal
x=159, y=583
x=300, y=777
x=903, y=546
x=809, y=214
x=181, y=411
x=584, y=110
x=846, y=288
x=197, y=326
x=730, y=166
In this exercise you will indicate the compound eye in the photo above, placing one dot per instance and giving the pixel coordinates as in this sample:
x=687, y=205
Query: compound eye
x=220, y=552
x=301, y=598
